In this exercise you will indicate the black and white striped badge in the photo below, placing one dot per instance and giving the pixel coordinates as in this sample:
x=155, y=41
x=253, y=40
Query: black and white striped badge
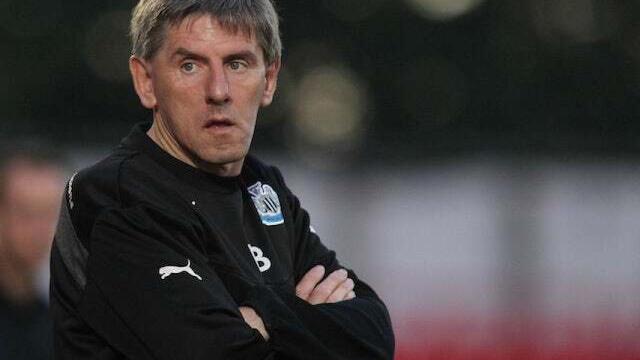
x=267, y=203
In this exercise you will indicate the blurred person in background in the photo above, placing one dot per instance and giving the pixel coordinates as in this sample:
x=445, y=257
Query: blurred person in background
x=30, y=181
x=180, y=245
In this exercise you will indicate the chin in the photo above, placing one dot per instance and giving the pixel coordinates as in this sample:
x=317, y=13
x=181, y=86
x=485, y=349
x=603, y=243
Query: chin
x=224, y=156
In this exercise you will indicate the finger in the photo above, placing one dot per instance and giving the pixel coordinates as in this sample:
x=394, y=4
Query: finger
x=254, y=320
x=245, y=311
x=309, y=282
x=350, y=295
x=322, y=291
x=341, y=291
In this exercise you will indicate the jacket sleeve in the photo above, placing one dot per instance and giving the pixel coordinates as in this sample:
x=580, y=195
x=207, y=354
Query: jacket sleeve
x=355, y=329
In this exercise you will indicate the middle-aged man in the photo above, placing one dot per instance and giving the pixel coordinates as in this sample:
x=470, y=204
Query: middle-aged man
x=179, y=245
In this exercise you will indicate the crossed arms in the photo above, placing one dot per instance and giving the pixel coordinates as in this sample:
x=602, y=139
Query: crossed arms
x=312, y=289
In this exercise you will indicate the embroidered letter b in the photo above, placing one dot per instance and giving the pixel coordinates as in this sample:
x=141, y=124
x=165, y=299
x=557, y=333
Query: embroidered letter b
x=263, y=263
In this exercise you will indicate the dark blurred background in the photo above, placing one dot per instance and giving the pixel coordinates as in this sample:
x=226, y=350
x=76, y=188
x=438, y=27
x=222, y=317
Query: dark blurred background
x=475, y=160
x=422, y=78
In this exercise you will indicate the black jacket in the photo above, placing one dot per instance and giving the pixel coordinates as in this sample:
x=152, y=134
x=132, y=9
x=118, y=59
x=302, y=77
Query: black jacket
x=152, y=258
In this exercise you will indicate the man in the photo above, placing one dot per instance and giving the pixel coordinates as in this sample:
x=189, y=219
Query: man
x=179, y=245
x=30, y=184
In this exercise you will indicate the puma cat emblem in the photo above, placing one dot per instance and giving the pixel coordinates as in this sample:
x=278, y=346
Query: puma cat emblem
x=165, y=271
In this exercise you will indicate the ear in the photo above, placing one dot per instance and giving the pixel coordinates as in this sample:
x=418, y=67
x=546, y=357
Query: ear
x=142, y=81
x=271, y=76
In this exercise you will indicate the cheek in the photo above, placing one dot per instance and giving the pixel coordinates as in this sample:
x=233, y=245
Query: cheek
x=251, y=101
x=182, y=109
x=177, y=95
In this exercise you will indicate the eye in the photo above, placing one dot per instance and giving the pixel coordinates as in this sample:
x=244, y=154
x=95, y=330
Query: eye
x=237, y=65
x=188, y=67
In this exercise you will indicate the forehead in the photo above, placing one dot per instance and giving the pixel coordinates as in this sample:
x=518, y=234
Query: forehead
x=206, y=32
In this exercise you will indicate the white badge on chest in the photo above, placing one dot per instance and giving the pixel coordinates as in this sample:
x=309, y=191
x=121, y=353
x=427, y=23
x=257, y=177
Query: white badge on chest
x=267, y=203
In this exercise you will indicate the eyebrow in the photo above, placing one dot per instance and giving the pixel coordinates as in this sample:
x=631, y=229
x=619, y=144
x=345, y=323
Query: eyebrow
x=188, y=54
x=246, y=55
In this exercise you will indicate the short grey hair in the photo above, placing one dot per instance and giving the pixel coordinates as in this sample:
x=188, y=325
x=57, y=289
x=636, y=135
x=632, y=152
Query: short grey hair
x=151, y=18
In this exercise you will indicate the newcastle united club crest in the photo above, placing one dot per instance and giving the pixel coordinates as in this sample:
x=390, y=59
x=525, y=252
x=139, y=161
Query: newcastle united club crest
x=267, y=203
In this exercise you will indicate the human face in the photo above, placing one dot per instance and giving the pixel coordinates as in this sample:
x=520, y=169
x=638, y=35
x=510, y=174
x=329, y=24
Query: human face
x=28, y=213
x=205, y=86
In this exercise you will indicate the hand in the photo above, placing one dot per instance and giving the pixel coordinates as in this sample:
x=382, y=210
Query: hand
x=336, y=287
x=254, y=320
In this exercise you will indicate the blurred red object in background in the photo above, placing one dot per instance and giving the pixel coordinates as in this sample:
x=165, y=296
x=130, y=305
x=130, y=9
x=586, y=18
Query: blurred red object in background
x=460, y=337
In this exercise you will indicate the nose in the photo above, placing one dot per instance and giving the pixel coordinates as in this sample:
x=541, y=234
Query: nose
x=218, y=87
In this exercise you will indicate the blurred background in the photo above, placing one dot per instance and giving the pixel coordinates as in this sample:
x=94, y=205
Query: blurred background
x=476, y=161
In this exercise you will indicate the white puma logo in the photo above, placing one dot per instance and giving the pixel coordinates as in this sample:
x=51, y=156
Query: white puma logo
x=168, y=270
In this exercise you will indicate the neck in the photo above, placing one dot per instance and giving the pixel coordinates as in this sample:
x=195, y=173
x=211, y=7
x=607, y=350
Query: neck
x=161, y=135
